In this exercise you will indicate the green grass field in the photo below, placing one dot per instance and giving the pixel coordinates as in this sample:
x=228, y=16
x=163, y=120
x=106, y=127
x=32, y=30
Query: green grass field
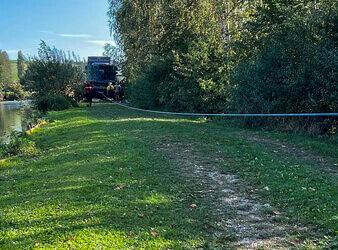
x=110, y=178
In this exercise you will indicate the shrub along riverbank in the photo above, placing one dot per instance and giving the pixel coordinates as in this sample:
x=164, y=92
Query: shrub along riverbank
x=108, y=177
x=17, y=142
x=56, y=80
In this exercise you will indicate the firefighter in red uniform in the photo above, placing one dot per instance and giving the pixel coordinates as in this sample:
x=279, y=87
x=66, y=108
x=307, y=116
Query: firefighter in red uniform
x=89, y=93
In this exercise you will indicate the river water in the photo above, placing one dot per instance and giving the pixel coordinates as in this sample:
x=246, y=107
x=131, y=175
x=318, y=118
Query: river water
x=10, y=118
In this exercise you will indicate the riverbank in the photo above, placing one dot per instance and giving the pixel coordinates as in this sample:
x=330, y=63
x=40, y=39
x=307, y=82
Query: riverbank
x=26, y=102
x=12, y=118
x=108, y=177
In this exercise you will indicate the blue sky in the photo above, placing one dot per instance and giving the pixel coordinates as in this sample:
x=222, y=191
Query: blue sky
x=75, y=25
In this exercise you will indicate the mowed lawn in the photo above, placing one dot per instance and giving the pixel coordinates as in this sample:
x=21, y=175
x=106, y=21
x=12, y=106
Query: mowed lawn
x=100, y=180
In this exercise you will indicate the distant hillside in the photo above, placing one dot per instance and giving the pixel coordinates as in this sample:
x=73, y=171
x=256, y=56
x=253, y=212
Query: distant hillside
x=14, y=70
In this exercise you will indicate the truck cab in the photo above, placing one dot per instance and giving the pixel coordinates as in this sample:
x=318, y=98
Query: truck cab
x=100, y=71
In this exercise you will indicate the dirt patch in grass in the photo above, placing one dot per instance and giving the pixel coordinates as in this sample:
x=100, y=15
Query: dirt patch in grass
x=238, y=215
x=294, y=151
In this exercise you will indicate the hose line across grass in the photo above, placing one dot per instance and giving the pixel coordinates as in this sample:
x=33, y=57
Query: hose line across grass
x=228, y=115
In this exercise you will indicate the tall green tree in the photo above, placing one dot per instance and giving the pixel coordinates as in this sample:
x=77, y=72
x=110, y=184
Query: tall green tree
x=20, y=64
x=5, y=71
x=188, y=43
x=115, y=53
x=292, y=68
x=232, y=55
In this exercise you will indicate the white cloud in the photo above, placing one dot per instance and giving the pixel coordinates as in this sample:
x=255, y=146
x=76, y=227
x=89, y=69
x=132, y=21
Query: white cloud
x=76, y=35
x=46, y=32
x=100, y=42
x=66, y=34
x=12, y=51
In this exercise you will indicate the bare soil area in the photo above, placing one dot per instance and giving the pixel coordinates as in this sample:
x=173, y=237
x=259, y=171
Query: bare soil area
x=239, y=215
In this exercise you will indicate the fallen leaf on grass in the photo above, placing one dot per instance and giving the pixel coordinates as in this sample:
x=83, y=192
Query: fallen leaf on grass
x=294, y=242
x=141, y=216
x=312, y=189
x=276, y=212
x=154, y=234
x=36, y=244
x=193, y=205
x=120, y=187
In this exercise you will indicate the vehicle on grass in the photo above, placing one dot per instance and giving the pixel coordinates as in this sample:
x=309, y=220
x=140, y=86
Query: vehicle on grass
x=100, y=72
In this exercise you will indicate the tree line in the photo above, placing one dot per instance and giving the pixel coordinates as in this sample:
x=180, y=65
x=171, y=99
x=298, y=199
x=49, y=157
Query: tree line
x=52, y=79
x=258, y=56
x=9, y=88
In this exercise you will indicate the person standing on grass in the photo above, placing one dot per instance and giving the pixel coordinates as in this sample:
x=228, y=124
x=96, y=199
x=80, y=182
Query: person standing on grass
x=89, y=93
x=111, y=91
x=117, y=89
x=122, y=89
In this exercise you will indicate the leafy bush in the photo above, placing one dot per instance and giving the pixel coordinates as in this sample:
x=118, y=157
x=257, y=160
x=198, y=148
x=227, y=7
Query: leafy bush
x=52, y=103
x=17, y=145
x=16, y=92
x=288, y=76
x=54, y=79
x=143, y=92
x=30, y=118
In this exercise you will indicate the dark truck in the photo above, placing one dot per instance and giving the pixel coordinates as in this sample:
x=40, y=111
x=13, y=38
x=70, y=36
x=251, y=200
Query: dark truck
x=100, y=71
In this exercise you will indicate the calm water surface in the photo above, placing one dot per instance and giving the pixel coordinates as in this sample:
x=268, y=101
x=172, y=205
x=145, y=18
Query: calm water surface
x=10, y=118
